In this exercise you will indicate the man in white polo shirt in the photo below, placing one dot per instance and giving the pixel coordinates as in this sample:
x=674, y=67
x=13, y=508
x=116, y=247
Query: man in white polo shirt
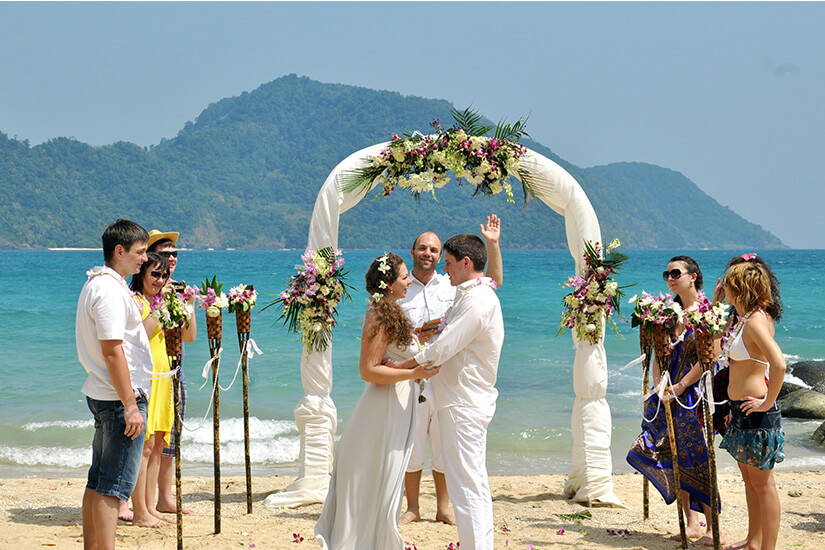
x=114, y=350
x=428, y=298
x=464, y=392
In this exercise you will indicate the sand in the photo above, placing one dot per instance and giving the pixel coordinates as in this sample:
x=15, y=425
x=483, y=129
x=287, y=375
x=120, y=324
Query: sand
x=38, y=512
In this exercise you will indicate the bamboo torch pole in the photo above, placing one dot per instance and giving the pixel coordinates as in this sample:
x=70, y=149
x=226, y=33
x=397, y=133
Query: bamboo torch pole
x=243, y=320
x=214, y=329
x=646, y=349
x=704, y=345
x=663, y=357
x=174, y=349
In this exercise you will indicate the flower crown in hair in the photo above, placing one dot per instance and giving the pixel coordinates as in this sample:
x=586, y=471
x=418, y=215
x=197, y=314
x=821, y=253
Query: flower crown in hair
x=383, y=267
x=749, y=257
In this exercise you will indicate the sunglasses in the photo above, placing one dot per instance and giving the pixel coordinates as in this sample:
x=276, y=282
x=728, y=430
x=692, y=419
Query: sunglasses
x=169, y=253
x=672, y=274
x=159, y=275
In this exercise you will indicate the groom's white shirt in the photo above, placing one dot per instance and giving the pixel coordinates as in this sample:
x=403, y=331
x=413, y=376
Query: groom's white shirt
x=468, y=350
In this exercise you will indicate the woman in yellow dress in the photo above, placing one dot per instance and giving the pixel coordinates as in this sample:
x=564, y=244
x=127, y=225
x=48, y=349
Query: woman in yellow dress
x=149, y=283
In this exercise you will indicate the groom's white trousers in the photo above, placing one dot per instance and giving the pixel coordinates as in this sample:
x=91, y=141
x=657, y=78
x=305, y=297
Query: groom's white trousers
x=464, y=448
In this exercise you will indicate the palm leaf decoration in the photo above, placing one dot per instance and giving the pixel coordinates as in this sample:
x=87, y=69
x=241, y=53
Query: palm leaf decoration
x=470, y=121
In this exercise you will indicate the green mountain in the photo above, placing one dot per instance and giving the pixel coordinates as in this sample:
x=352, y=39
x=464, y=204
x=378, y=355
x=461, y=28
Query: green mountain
x=247, y=172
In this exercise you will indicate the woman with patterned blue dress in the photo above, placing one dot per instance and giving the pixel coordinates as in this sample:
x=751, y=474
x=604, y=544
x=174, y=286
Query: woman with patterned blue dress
x=650, y=454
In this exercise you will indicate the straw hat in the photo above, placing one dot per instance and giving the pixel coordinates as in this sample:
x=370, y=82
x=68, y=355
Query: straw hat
x=155, y=236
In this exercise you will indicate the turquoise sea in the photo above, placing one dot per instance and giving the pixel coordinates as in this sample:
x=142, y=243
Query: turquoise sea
x=45, y=426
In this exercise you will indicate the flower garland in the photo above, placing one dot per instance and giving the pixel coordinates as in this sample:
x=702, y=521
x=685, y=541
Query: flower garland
x=311, y=299
x=242, y=298
x=596, y=295
x=422, y=163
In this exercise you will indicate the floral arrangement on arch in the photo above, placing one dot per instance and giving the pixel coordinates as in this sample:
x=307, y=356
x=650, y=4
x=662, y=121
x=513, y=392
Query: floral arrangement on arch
x=652, y=310
x=171, y=309
x=596, y=294
x=242, y=298
x=311, y=299
x=422, y=164
x=706, y=318
x=211, y=298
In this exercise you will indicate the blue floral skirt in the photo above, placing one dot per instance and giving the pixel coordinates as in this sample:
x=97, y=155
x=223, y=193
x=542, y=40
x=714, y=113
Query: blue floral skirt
x=756, y=439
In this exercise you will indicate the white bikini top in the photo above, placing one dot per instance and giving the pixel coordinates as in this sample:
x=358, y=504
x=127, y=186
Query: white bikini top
x=737, y=351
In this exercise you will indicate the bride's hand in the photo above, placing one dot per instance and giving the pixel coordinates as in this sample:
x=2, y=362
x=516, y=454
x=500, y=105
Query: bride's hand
x=425, y=371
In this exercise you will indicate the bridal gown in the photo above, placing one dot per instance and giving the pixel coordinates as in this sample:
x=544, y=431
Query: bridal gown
x=364, y=499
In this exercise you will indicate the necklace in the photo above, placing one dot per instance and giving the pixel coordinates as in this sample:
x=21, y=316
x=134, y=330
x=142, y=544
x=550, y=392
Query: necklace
x=486, y=281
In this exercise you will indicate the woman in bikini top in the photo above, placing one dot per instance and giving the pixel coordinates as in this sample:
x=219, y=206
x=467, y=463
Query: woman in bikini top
x=739, y=355
x=754, y=437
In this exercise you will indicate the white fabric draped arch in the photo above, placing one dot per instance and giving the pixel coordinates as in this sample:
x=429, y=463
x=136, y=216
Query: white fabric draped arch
x=590, y=481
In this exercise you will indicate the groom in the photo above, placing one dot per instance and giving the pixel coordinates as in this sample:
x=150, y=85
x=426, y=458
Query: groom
x=464, y=395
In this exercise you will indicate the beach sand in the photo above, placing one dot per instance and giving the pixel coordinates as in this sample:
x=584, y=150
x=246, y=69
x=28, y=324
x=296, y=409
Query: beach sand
x=40, y=512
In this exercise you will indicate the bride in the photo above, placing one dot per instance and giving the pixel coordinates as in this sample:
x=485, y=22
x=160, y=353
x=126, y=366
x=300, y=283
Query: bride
x=364, y=499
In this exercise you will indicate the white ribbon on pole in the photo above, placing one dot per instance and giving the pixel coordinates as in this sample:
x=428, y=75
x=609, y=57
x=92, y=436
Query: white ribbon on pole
x=208, y=366
x=635, y=362
x=161, y=375
x=250, y=349
x=707, y=380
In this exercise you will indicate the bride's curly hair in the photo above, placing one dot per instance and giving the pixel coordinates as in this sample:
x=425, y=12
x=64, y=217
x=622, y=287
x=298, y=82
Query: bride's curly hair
x=390, y=317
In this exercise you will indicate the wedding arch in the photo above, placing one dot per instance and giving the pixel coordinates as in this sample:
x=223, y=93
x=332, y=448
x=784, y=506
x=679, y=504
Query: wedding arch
x=590, y=479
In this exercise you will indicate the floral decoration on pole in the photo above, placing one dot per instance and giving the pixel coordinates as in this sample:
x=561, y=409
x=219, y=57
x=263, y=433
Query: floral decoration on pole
x=311, y=299
x=211, y=299
x=172, y=311
x=242, y=299
x=422, y=163
x=596, y=295
x=657, y=318
x=709, y=321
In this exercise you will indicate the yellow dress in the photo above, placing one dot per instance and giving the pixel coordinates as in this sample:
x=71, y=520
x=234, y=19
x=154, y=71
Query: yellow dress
x=160, y=415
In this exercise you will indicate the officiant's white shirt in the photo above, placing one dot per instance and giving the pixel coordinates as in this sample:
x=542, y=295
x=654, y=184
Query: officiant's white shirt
x=427, y=302
x=468, y=350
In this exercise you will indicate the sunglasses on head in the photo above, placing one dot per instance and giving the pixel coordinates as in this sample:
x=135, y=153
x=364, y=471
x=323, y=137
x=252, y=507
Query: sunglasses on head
x=169, y=253
x=159, y=275
x=672, y=274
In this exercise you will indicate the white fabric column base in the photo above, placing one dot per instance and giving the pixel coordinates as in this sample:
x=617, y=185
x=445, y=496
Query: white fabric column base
x=590, y=482
x=464, y=447
x=317, y=421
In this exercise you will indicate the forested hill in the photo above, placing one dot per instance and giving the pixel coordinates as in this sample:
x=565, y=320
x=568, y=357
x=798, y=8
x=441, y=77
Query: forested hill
x=247, y=172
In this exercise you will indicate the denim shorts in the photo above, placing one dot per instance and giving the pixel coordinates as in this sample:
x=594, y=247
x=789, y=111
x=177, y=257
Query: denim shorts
x=755, y=439
x=115, y=456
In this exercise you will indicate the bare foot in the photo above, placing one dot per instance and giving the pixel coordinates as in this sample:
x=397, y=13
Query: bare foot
x=408, y=517
x=173, y=509
x=690, y=533
x=707, y=540
x=160, y=516
x=125, y=513
x=150, y=521
x=446, y=517
x=738, y=545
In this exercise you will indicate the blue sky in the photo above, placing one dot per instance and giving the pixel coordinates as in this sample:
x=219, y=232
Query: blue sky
x=730, y=94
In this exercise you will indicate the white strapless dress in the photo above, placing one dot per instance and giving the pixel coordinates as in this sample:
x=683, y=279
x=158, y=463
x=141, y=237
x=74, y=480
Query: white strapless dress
x=364, y=499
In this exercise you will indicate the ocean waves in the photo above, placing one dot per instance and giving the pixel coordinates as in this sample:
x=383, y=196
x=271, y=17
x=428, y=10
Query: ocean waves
x=272, y=442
